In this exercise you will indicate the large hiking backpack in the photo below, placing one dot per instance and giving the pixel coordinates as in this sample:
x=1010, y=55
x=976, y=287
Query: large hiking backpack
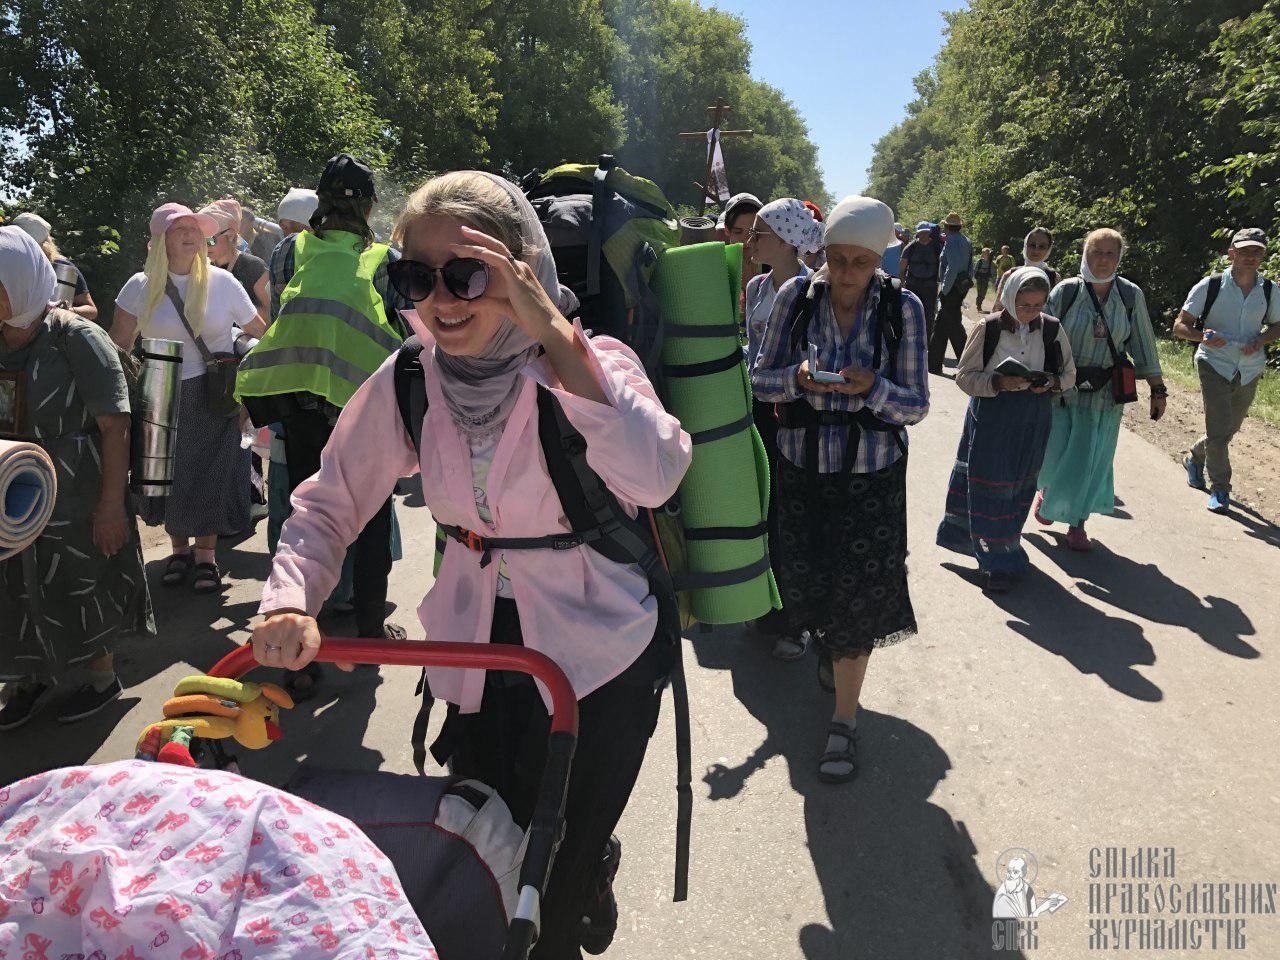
x=607, y=229
x=598, y=521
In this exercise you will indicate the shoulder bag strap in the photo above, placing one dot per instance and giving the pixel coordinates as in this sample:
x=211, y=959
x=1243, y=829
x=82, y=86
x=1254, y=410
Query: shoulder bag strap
x=1111, y=344
x=176, y=299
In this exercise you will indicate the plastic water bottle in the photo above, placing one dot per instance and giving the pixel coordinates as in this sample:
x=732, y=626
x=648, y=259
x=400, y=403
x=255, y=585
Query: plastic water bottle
x=248, y=433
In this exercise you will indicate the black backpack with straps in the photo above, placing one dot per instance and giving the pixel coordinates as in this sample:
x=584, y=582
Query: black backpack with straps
x=1049, y=328
x=598, y=521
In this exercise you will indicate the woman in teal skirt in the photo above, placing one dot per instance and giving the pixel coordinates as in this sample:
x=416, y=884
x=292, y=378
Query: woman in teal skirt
x=1099, y=310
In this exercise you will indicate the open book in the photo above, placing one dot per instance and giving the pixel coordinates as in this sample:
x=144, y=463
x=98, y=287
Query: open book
x=1009, y=367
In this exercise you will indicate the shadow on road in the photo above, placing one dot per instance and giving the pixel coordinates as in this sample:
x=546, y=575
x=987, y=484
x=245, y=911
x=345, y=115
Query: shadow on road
x=1142, y=590
x=1091, y=641
x=1255, y=524
x=900, y=878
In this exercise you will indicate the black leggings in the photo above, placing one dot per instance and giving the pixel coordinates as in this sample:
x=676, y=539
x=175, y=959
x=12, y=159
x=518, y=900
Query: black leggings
x=505, y=746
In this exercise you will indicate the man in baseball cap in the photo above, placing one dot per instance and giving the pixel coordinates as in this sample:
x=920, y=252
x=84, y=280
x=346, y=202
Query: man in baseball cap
x=1233, y=316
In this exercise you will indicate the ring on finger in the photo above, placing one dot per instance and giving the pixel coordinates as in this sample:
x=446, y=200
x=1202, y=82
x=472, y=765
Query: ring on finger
x=272, y=646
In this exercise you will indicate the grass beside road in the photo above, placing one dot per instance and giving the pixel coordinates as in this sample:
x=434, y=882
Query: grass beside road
x=1177, y=361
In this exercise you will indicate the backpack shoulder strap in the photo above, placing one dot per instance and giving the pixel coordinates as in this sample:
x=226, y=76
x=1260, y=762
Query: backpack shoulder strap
x=1266, y=292
x=1052, y=354
x=1215, y=288
x=990, y=338
x=888, y=319
x=411, y=390
x=1128, y=295
x=1071, y=288
x=802, y=314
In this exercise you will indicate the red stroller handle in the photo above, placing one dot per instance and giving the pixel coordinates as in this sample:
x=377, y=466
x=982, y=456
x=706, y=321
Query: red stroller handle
x=466, y=656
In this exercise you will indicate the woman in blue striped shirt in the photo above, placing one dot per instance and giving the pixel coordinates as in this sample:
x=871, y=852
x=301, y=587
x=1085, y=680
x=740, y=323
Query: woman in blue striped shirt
x=842, y=494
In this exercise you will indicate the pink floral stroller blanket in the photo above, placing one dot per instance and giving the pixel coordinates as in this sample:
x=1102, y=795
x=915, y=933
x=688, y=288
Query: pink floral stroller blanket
x=133, y=860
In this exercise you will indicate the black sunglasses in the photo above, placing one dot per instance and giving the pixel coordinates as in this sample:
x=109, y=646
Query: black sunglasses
x=465, y=277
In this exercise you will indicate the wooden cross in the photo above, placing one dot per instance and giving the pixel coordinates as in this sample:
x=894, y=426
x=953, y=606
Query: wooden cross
x=717, y=120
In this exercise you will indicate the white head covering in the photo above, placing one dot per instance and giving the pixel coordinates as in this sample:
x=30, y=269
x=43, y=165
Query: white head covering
x=1026, y=253
x=1017, y=277
x=26, y=275
x=1091, y=277
x=36, y=226
x=859, y=222
x=481, y=390
x=298, y=205
x=791, y=220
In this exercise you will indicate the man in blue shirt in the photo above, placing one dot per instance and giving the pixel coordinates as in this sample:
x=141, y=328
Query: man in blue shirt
x=1233, y=316
x=957, y=278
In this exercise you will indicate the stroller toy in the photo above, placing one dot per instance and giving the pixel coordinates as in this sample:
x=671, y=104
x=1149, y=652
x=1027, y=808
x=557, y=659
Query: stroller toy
x=214, y=708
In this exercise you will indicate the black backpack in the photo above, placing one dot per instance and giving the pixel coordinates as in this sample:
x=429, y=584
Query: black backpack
x=607, y=229
x=1048, y=331
x=1215, y=288
x=598, y=521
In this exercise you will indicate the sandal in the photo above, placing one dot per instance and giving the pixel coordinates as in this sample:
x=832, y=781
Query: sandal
x=208, y=578
x=176, y=570
x=301, y=684
x=789, y=649
x=844, y=760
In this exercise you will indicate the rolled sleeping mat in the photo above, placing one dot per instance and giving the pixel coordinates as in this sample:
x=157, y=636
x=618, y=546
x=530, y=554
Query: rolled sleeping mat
x=724, y=497
x=153, y=446
x=28, y=489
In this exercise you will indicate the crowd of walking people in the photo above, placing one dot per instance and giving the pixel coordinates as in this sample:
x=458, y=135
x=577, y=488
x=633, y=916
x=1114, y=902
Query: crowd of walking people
x=300, y=326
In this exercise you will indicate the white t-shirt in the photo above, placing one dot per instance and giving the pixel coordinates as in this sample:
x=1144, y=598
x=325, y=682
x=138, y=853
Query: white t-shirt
x=228, y=306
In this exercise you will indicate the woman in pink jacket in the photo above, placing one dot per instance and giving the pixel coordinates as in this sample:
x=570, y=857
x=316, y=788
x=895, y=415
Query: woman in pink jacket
x=492, y=319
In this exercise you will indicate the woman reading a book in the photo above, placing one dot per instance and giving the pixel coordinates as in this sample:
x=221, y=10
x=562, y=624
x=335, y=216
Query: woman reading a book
x=1011, y=365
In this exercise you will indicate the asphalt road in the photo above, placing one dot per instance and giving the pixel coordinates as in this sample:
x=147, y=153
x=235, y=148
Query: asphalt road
x=1124, y=698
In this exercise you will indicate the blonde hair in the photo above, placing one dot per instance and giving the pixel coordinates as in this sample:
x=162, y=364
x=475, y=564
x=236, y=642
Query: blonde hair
x=51, y=250
x=157, y=274
x=470, y=197
x=1104, y=233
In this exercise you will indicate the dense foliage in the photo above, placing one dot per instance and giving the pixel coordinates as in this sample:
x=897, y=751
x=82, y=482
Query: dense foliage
x=108, y=107
x=1158, y=118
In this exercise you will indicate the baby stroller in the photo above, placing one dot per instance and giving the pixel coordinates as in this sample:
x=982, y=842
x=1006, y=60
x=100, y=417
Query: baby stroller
x=440, y=871
x=467, y=875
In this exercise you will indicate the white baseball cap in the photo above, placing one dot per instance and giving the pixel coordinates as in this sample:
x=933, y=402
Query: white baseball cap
x=35, y=226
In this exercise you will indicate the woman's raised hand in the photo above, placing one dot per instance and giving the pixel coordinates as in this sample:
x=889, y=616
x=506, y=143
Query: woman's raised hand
x=511, y=280
x=287, y=639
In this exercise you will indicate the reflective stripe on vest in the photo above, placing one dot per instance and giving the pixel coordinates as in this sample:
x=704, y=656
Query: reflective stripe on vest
x=331, y=333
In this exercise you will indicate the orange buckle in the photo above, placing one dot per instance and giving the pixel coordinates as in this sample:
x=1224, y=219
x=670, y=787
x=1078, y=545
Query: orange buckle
x=473, y=540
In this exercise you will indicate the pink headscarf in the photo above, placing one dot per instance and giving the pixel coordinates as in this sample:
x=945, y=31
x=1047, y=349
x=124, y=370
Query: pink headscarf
x=227, y=212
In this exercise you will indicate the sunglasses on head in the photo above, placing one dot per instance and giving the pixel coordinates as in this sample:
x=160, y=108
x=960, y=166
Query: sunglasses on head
x=465, y=277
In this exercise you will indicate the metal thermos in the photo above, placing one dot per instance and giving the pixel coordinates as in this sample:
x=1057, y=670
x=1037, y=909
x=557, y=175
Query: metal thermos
x=696, y=230
x=155, y=442
x=68, y=277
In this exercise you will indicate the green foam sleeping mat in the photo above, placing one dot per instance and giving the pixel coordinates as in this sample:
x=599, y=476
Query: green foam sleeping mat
x=706, y=386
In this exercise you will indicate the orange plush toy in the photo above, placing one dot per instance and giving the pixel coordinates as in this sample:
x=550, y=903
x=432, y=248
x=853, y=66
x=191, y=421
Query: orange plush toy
x=214, y=708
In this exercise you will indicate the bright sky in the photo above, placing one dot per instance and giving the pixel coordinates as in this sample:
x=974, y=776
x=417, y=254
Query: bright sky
x=846, y=65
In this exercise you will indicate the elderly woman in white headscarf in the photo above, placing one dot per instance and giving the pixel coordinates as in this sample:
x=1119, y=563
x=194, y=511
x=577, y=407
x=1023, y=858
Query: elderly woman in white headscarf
x=1036, y=247
x=842, y=465
x=67, y=597
x=784, y=232
x=498, y=357
x=1105, y=316
x=1010, y=365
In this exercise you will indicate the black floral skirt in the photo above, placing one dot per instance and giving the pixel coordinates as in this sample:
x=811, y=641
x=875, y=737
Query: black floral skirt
x=844, y=557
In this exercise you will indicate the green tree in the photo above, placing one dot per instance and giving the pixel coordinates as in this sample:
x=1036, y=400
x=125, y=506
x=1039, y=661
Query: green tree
x=427, y=67
x=551, y=73
x=676, y=58
x=114, y=116
x=1074, y=115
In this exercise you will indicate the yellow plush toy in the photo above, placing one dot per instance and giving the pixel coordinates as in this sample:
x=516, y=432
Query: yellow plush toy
x=215, y=708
